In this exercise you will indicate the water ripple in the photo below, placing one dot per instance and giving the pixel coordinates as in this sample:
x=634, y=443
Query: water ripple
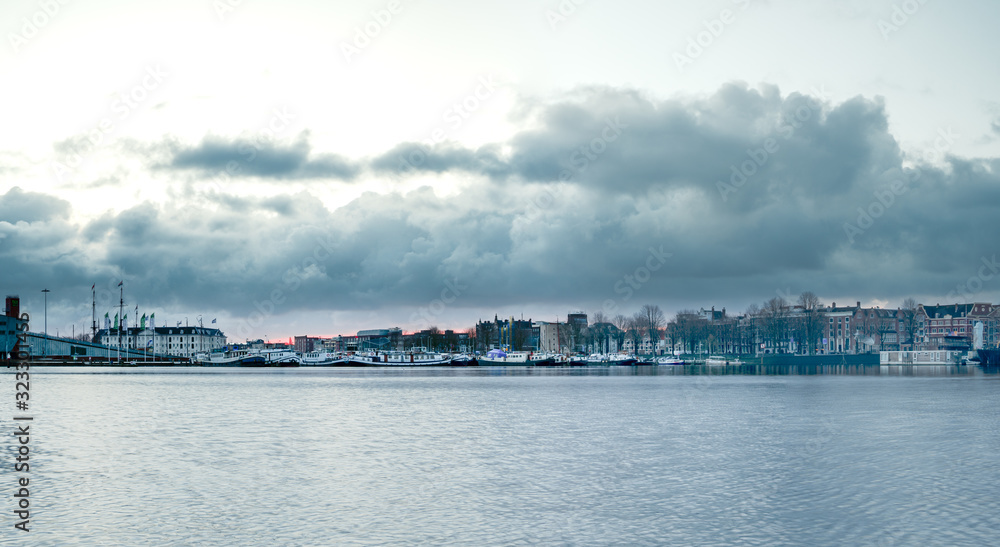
x=512, y=458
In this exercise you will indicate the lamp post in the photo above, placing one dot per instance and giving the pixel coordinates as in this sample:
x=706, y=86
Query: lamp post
x=45, y=293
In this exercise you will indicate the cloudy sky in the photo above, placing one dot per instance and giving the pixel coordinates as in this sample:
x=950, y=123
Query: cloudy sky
x=318, y=168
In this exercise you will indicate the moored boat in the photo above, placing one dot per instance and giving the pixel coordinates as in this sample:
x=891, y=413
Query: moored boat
x=463, y=360
x=718, y=360
x=989, y=357
x=278, y=358
x=230, y=358
x=324, y=359
x=621, y=360
x=400, y=359
x=499, y=357
x=552, y=360
x=667, y=360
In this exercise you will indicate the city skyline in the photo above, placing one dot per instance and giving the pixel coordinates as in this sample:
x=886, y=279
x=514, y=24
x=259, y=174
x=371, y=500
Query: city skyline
x=350, y=166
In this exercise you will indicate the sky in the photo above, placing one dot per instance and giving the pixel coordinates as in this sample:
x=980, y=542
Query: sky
x=319, y=168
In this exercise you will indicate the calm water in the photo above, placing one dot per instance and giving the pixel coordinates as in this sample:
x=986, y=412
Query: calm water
x=855, y=456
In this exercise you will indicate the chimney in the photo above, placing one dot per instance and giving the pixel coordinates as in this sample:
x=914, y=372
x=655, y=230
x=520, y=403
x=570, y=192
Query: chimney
x=859, y=303
x=834, y=305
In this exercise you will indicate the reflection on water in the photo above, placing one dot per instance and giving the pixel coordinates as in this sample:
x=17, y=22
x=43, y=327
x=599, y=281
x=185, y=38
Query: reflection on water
x=749, y=455
x=671, y=370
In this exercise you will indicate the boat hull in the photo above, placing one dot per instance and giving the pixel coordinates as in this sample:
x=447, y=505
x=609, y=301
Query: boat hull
x=989, y=357
x=501, y=362
x=400, y=360
x=327, y=363
x=245, y=361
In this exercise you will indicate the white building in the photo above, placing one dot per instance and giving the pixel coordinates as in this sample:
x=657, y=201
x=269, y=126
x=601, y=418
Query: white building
x=549, y=335
x=178, y=341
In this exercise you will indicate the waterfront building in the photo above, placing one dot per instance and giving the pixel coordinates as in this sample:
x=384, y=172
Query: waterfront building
x=877, y=329
x=991, y=329
x=10, y=325
x=602, y=338
x=838, y=336
x=175, y=341
x=437, y=340
x=513, y=334
x=371, y=339
x=950, y=327
x=306, y=344
x=553, y=337
x=711, y=315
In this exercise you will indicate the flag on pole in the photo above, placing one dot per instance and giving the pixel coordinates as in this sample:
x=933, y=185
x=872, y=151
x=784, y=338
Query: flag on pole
x=107, y=322
x=92, y=287
x=178, y=323
x=125, y=322
x=152, y=321
x=120, y=282
x=213, y=320
x=116, y=321
x=142, y=323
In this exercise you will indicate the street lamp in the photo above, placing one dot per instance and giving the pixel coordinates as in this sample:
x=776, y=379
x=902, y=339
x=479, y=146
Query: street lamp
x=46, y=292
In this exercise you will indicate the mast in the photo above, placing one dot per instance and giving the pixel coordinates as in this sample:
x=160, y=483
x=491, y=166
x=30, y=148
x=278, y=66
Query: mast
x=121, y=323
x=558, y=342
x=93, y=312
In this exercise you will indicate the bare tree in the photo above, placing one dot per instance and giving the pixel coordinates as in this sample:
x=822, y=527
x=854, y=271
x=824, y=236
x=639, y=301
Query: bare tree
x=473, y=343
x=750, y=329
x=486, y=334
x=812, y=322
x=866, y=327
x=774, y=315
x=435, y=335
x=621, y=323
x=635, y=328
x=908, y=318
x=653, y=321
x=688, y=328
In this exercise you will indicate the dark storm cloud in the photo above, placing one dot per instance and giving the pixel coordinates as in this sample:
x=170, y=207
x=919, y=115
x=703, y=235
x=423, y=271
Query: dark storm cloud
x=20, y=206
x=261, y=159
x=410, y=158
x=823, y=202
